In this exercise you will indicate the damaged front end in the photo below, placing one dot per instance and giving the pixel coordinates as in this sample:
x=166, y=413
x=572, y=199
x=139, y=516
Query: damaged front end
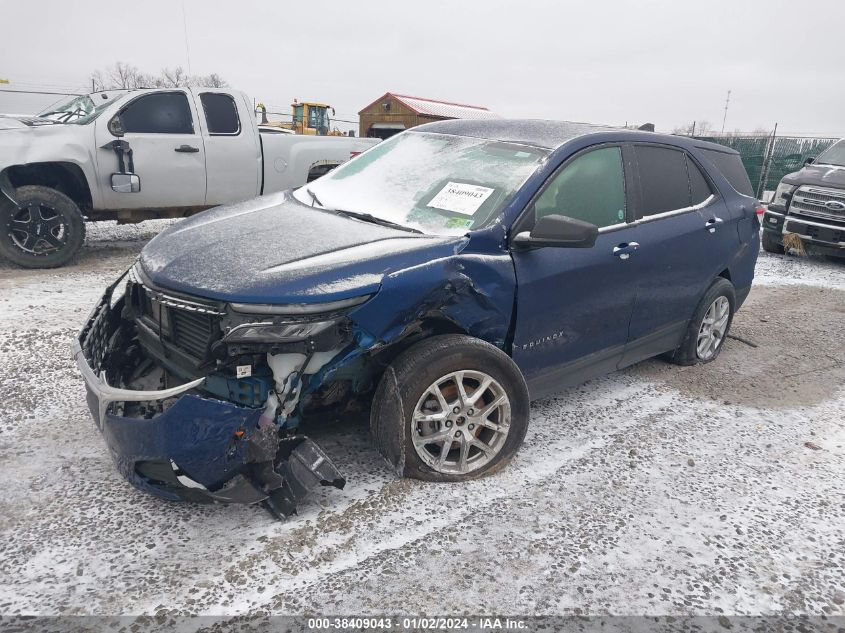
x=198, y=400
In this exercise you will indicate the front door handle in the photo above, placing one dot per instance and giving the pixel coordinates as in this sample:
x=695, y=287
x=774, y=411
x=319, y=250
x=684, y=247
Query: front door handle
x=187, y=149
x=712, y=223
x=624, y=250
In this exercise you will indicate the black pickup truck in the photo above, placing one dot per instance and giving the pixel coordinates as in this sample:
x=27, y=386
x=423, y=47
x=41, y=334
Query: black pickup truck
x=811, y=204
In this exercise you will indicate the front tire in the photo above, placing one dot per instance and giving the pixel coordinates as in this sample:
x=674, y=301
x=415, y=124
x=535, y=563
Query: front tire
x=709, y=325
x=45, y=230
x=450, y=408
x=771, y=243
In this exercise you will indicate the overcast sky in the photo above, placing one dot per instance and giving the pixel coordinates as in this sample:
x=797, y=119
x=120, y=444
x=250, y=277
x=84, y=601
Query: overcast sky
x=604, y=61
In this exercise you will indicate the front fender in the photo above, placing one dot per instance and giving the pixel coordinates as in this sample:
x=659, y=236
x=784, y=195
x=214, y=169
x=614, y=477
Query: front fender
x=72, y=144
x=475, y=291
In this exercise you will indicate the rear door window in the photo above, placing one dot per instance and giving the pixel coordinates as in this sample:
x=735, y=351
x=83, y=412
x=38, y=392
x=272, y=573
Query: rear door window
x=221, y=113
x=590, y=188
x=664, y=181
x=732, y=168
x=699, y=187
x=158, y=113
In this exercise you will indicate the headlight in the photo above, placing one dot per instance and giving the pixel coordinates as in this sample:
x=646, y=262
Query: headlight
x=782, y=194
x=275, y=333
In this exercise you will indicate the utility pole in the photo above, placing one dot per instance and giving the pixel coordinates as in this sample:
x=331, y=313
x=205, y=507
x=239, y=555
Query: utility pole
x=725, y=118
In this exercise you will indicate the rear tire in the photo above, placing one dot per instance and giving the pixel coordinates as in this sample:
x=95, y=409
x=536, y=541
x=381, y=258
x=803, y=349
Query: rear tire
x=45, y=230
x=771, y=243
x=430, y=428
x=709, y=326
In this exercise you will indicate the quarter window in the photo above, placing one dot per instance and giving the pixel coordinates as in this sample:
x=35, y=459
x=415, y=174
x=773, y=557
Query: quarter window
x=664, y=182
x=158, y=113
x=590, y=188
x=731, y=166
x=221, y=113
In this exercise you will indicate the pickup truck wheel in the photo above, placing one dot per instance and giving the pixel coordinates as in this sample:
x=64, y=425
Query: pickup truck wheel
x=771, y=243
x=450, y=408
x=44, y=231
x=709, y=325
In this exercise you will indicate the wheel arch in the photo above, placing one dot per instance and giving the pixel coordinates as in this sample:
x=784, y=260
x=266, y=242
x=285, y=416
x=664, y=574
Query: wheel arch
x=66, y=177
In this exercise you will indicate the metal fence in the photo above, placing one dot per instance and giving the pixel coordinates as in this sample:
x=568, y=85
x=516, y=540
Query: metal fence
x=767, y=159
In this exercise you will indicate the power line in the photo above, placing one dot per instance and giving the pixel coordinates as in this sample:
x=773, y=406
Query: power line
x=44, y=92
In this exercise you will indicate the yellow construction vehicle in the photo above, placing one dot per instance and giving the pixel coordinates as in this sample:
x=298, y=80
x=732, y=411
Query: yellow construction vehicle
x=307, y=117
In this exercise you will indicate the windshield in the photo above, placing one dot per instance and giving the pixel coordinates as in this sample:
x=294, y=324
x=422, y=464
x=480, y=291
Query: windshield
x=833, y=155
x=79, y=110
x=435, y=183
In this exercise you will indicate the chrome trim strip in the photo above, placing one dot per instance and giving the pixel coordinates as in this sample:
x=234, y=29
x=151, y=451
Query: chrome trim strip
x=290, y=309
x=169, y=300
x=106, y=394
x=770, y=212
x=658, y=216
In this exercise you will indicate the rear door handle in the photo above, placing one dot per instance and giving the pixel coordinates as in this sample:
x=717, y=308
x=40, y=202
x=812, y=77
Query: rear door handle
x=712, y=223
x=624, y=250
x=187, y=149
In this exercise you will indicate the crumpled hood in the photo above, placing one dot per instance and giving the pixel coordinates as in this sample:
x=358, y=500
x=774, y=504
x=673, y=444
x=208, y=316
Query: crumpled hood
x=821, y=175
x=18, y=121
x=274, y=249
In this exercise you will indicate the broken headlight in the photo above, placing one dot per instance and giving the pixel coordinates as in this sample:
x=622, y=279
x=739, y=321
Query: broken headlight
x=276, y=332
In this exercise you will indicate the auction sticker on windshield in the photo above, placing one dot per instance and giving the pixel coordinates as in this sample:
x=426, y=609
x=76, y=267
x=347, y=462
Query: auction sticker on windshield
x=461, y=198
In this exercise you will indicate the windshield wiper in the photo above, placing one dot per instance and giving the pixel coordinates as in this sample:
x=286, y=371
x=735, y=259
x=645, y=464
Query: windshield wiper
x=314, y=197
x=368, y=217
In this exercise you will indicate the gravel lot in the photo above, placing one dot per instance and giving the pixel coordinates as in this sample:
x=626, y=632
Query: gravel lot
x=656, y=490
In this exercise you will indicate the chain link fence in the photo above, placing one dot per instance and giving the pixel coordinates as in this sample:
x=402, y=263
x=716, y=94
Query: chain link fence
x=767, y=159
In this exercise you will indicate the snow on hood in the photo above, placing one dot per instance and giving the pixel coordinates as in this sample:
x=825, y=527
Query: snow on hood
x=820, y=175
x=277, y=250
x=11, y=123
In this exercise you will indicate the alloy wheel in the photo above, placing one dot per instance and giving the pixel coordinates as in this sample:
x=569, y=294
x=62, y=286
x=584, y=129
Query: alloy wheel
x=461, y=422
x=38, y=229
x=713, y=328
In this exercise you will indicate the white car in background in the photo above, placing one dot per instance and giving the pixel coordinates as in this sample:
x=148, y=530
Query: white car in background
x=132, y=155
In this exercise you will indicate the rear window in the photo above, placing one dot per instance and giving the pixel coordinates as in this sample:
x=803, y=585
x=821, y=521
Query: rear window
x=221, y=114
x=663, y=179
x=732, y=168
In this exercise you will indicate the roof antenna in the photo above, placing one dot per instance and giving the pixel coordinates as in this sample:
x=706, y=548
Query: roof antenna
x=185, y=28
x=647, y=127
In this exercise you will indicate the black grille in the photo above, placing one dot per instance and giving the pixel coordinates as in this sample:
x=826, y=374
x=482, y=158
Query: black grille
x=185, y=324
x=192, y=331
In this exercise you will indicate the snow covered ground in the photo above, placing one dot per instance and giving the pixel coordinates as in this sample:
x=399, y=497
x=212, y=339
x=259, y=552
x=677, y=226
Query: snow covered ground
x=657, y=490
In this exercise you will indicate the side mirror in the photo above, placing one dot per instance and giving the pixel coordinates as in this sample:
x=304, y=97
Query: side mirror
x=115, y=126
x=561, y=231
x=810, y=160
x=126, y=183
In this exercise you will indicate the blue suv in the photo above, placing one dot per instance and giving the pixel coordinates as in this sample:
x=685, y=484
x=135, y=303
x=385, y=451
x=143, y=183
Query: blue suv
x=442, y=279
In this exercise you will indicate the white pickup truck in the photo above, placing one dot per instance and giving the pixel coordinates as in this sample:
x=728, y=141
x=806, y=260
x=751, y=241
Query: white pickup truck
x=132, y=155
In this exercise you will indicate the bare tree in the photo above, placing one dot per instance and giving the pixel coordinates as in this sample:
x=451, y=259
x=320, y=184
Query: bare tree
x=123, y=75
x=120, y=75
x=211, y=81
x=685, y=130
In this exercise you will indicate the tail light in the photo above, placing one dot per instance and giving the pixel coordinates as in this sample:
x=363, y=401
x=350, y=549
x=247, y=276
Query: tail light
x=760, y=210
x=353, y=155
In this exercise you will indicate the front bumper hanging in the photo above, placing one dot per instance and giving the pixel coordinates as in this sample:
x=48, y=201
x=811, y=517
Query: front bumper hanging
x=198, y=449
